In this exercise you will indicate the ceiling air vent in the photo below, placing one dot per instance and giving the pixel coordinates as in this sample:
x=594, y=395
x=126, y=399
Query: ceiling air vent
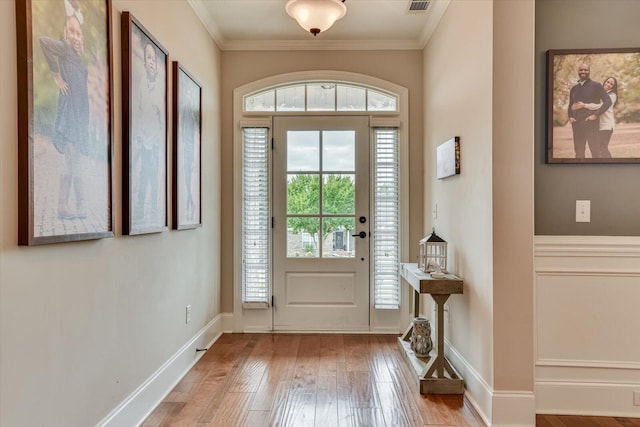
x=418, y=6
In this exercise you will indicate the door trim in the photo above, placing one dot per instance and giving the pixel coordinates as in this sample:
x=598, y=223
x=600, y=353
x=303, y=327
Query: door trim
x=382, y=321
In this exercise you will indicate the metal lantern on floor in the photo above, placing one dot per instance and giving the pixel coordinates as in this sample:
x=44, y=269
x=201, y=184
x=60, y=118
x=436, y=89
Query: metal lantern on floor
x=432, y=254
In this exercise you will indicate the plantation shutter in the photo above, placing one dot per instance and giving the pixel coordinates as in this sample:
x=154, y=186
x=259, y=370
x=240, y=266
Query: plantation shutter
x=386, y=219
x=256, y=218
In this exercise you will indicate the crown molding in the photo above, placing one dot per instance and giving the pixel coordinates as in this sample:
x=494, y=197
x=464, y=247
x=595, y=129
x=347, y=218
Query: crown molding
x=321, y=45
x=207, y=20
x=436, y=11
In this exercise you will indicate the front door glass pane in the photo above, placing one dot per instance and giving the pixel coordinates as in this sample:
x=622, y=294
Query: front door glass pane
x=302, y=237
x=303, y=194
x=339, y=151
x=303, y=150
x=339, y=194
x=337, y=239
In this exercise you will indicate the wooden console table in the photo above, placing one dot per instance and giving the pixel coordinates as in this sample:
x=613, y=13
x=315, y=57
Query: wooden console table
x=435, y=373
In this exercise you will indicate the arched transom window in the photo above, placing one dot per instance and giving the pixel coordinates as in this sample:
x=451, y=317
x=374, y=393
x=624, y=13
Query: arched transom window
x=320, y=96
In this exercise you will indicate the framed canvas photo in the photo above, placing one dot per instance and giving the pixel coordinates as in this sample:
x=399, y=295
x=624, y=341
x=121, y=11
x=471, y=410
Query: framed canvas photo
x=65, y=169
x=187, y=148
x=144, y=130
x=448, y=158
x=593, y=106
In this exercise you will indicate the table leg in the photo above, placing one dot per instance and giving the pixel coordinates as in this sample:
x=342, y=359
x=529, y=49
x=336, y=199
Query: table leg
x=439, y=364
x=406, y=336
x=440, y=300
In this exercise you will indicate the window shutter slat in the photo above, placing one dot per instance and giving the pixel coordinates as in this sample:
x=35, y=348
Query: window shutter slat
x=255, y=216
x=386, y=235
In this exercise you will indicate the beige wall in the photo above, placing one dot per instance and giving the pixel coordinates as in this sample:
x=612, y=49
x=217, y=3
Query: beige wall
x=479, y=60
x=513, y=153
x=84, y=324
x=458, y=102
x=238, y=68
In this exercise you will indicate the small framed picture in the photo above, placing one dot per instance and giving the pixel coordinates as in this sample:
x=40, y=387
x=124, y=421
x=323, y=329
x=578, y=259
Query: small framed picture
x=65, y=151
x=187, y=149
x=448, y=158
x=144, y=129
x=593, y=106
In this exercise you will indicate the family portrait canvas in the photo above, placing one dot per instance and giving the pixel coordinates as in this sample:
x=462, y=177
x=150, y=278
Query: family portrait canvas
x=64, y=115
x=593, y=106
x=144, y=121
x=186, y=149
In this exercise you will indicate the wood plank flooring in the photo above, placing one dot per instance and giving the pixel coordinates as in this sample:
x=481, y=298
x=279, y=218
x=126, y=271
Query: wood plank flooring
x=259, y=380
x=578, y=421
x=306, y=380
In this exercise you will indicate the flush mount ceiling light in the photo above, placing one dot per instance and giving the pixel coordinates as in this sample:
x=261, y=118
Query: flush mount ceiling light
x=316, y=16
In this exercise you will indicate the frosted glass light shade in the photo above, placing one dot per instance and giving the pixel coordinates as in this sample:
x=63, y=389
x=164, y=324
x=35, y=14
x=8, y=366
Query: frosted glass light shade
x=316, y=16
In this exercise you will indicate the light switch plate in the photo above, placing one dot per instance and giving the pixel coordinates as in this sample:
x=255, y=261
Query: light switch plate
x=583, y=210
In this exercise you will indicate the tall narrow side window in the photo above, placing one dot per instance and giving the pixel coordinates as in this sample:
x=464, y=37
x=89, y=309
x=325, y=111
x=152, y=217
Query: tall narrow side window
x=386, y=219
x=256, y=217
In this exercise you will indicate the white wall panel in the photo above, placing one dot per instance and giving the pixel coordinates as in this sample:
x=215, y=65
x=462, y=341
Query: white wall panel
x=587, y=296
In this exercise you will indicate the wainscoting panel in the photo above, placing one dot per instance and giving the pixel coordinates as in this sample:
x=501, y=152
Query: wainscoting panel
x=587, y=319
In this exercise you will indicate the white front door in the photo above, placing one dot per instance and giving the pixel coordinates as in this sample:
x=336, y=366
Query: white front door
x=320, y=201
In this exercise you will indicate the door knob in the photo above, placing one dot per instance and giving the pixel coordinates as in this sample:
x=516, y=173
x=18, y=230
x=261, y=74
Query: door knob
x=361, y=234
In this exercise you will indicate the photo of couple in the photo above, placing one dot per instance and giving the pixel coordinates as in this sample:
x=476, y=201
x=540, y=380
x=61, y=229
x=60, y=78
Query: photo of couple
x=594, y=111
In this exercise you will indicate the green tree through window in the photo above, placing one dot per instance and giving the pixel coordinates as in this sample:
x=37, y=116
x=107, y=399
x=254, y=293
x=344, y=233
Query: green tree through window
x=303, y=198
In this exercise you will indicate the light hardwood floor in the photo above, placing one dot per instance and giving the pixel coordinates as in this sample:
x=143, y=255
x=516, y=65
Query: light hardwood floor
x=576, y=421
x=306, y=380
x=260, y=380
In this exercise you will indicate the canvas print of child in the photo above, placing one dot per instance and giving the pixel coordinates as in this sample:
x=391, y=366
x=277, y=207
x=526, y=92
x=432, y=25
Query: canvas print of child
x=148, y=133
x=189, y=151
x=71, y=118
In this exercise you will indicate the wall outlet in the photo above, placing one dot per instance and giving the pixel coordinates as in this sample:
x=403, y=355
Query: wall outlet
x=636, y=398
x=187, y=313
x=435, y=211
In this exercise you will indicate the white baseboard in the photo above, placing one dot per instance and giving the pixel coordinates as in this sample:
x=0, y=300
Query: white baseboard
x=587, y=398
x=227, y=323
x=478, y=391
x=496, y=408
x=384, y=330
x=138, y=405
x=513, y=408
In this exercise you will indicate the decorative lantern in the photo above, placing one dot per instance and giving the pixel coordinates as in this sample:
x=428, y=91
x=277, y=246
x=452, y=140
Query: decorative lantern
x=421, y=342
x=433, y=254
